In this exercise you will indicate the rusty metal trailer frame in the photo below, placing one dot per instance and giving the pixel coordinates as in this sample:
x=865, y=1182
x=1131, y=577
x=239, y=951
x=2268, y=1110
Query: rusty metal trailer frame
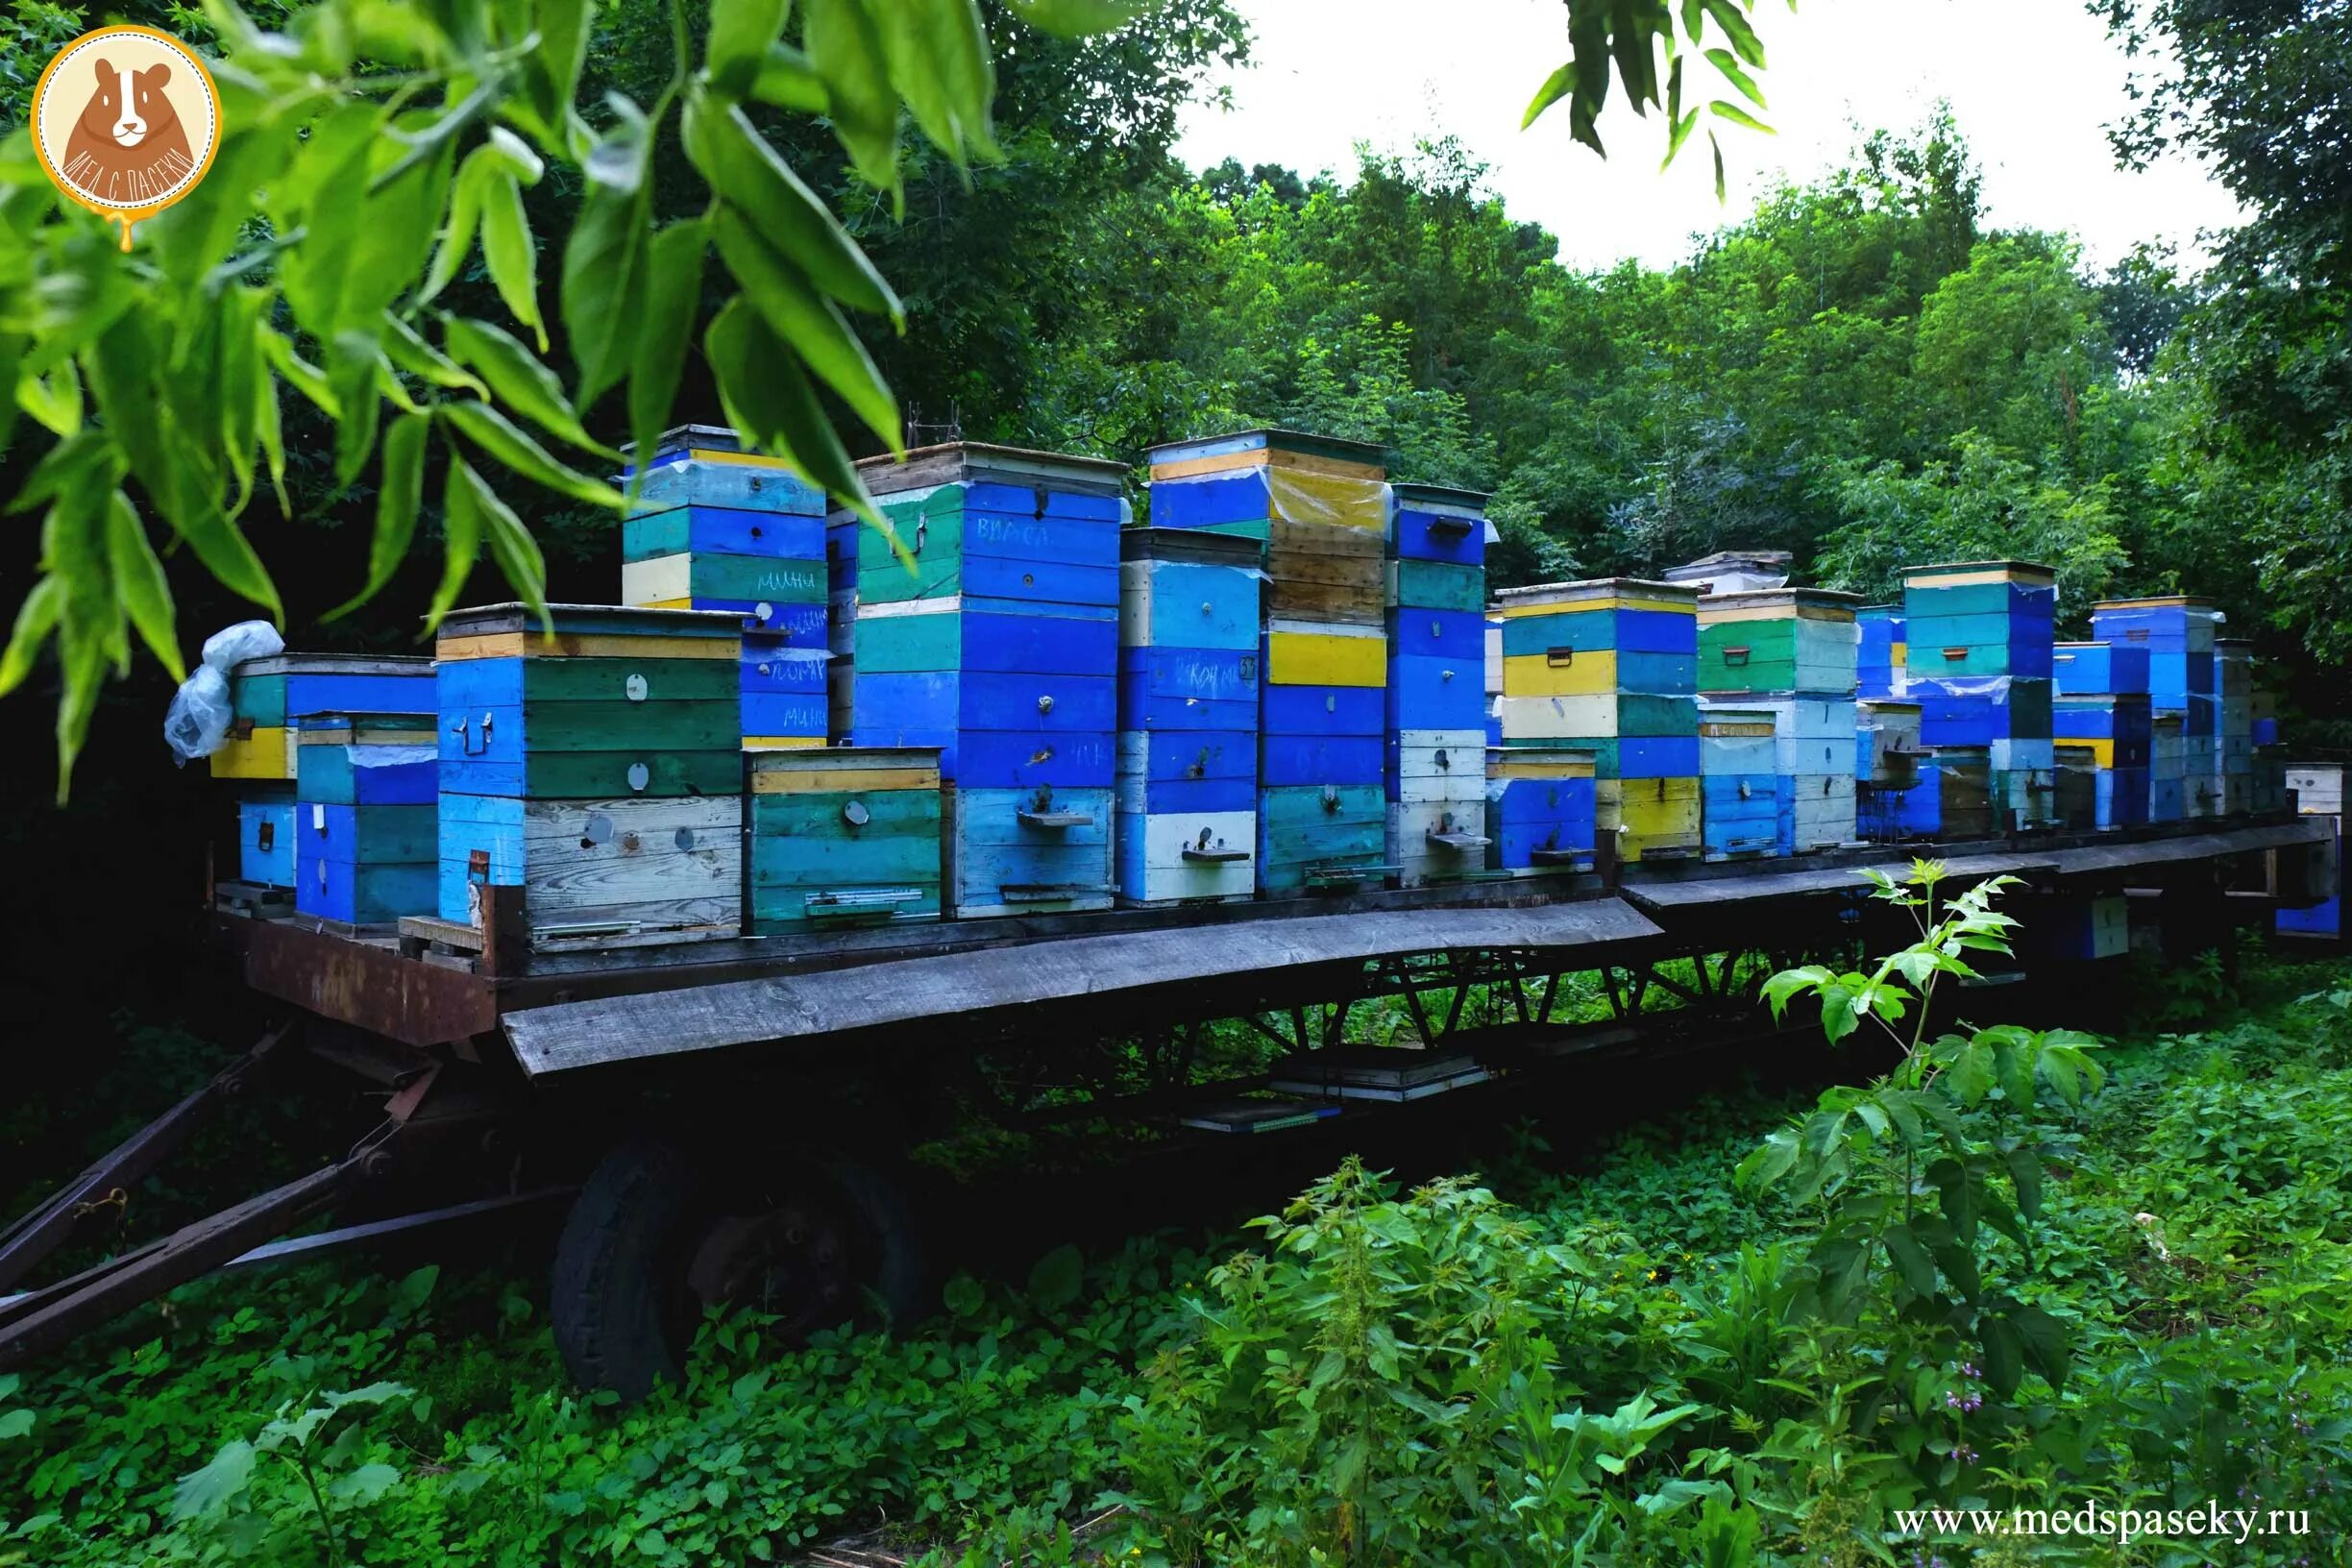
x=461, y=1042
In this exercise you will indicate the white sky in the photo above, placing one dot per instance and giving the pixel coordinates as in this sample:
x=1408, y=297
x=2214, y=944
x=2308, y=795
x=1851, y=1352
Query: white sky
x=2032, y=83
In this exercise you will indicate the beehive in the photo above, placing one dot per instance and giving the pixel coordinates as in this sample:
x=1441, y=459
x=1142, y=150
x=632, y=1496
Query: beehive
x=2178, y=633
x=2113, y=734
x=1609, y=667
x=1187, y=787
x=2317, y=789
x=266, y=698
x=599, y=768
x=2234, y=779
x=841, y=627
x=715, y=527
x=843, y=836
x=2168, y=754
x=1792, y=652
x=1000, y=646
x=1979, y=643
x=1879, y=667
x=1542, y=809
x=1434, y=768
x=365, y=847
x=1738, y=780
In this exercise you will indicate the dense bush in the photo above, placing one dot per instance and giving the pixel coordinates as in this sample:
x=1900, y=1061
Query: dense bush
x=1639, y=1366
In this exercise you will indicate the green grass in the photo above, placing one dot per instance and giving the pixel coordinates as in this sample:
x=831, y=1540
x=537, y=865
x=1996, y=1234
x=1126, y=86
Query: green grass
x=1495, y=1403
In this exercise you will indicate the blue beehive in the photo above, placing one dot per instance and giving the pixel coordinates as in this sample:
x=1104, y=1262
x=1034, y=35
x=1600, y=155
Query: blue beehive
x=998, y=645
x=1187, y=789
x=1435, y=768
x=2116, y=732
x=267, y=698
x=599, y=768
x=1979, y=643
x=1794, y=653
x=2318, y=787
x=364, y=837
x=2177, y=632
x=1542, y=809
x=1739, y=780
x=841, y=627
x=1319, y=506
x=717, y=527
x=1879, y=667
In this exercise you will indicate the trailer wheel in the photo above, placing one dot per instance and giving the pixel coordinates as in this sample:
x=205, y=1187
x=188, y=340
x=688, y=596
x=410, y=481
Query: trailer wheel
x=655, y=1238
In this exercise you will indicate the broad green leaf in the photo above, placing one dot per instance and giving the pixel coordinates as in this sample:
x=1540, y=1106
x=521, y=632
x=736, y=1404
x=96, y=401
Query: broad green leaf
x=464, y=220
x=1957, y=1193
x=602, y=286
x=1056, y=1279
x=518, y=380
x=35, y=618
x=512, y=544
x=351, y=361
x=1556, y=86
x=140, y=584
x=406, y=349
x=2046, y=1341
x=737, y=48
x=842, y=45
x=789, y=81
x=2004, y=1354
x=939, y=63
x=364, y=1484
x=207, y=1491
x=239, y=389
x=770, y=400
x=300, y=374
x=1734, y=23
x=1769, y=1162
x=808, y=321
x=506, y=246
x=1723, y=109
x=1911, y=1260
x=1838, y=1016
x=2026, y=1171
x=1075, y=18
x=323, y=193
x=749, y=173
x=504, y=443
x=15, y=1424
x=397, y=500
x=1729, y=68
x=461, y=533
x=272, y=439
x=673, y=294
x=55, y=400
x=1970, y=1075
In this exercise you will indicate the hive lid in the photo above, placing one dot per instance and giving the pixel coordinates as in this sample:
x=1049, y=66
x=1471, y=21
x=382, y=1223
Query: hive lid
x=488, y=620
x=2189, y=601
x=1431, y=497
x=981, y=462
x=412, y=665
x=1573, y=592
x=2042, y=575
x=1330, y=449
x=1828, y=603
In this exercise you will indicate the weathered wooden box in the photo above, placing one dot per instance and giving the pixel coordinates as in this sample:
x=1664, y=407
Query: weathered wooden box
x=1540, y=809
x=1739, y=783
x=1436, y=786
x=1882, y=654
x=267, y=695
x=365, y=845
x=843, y=837
x=1779, y=640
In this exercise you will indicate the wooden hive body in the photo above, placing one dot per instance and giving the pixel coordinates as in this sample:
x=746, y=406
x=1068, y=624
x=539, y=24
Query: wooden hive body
x=365, y=836
x=1542, y=809
x=1186, y=826
x=2178, y=633
x=715, y=527
x=1611, y=666
x=1980, y=652
x=599, y=768
x=843, y=836
x=1436, y=703
x=1881, y=651
x=994, y=639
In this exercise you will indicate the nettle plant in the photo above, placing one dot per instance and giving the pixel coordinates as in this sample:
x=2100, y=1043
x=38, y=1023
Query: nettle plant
x=1918, y=1178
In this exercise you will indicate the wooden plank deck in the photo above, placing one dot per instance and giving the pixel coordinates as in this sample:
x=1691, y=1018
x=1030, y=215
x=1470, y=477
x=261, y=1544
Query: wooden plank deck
x=1092, y=972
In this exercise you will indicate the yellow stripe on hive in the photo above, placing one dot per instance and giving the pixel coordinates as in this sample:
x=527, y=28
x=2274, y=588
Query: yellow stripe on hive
x=1591, y=673
x=1576, y=606
x=1978, y=579
x=1541, y=769
x=587, y=645
x=1296, y=462
x=268, y=753
x=1300, y=658
x=781, y=742
x=826, y=780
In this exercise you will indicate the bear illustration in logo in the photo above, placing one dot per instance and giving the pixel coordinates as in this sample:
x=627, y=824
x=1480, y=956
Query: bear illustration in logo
x=128, y=147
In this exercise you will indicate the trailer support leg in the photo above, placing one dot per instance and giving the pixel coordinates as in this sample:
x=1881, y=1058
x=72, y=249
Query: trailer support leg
x=41, y=1233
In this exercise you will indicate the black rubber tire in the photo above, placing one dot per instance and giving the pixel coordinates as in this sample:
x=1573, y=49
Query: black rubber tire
x=618, y=1303
x=617, y=1269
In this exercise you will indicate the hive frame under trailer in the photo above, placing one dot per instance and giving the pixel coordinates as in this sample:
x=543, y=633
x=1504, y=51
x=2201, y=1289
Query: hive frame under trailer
x=463, y=1046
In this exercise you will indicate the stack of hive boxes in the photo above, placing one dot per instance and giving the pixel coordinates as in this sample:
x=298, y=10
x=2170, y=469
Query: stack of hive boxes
x=1895, y=782
x=1609, y=667
x=843, y=836
x=2168, y=767
x=1791, y=653
x=841, y=626
x=2101, y=714
x=715, y=527
x=599, y=767
x=1436, y=714
x=1001, y=648
x=1188, y=716
x=2178, y=633
x=1880, y=665
x=1494, y=678
x=2234, y=727
x=1978, y=638
x=2318, y=787
x=1738, y=782
x=267, y=698
x=2270, y=756
x=1320, y=507
x=364, y=796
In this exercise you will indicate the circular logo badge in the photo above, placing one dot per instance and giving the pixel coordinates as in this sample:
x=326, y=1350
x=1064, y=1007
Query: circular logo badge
x=126, y=120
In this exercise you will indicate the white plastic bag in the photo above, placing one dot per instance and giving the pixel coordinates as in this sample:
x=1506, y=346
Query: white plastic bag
x=197, y=719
